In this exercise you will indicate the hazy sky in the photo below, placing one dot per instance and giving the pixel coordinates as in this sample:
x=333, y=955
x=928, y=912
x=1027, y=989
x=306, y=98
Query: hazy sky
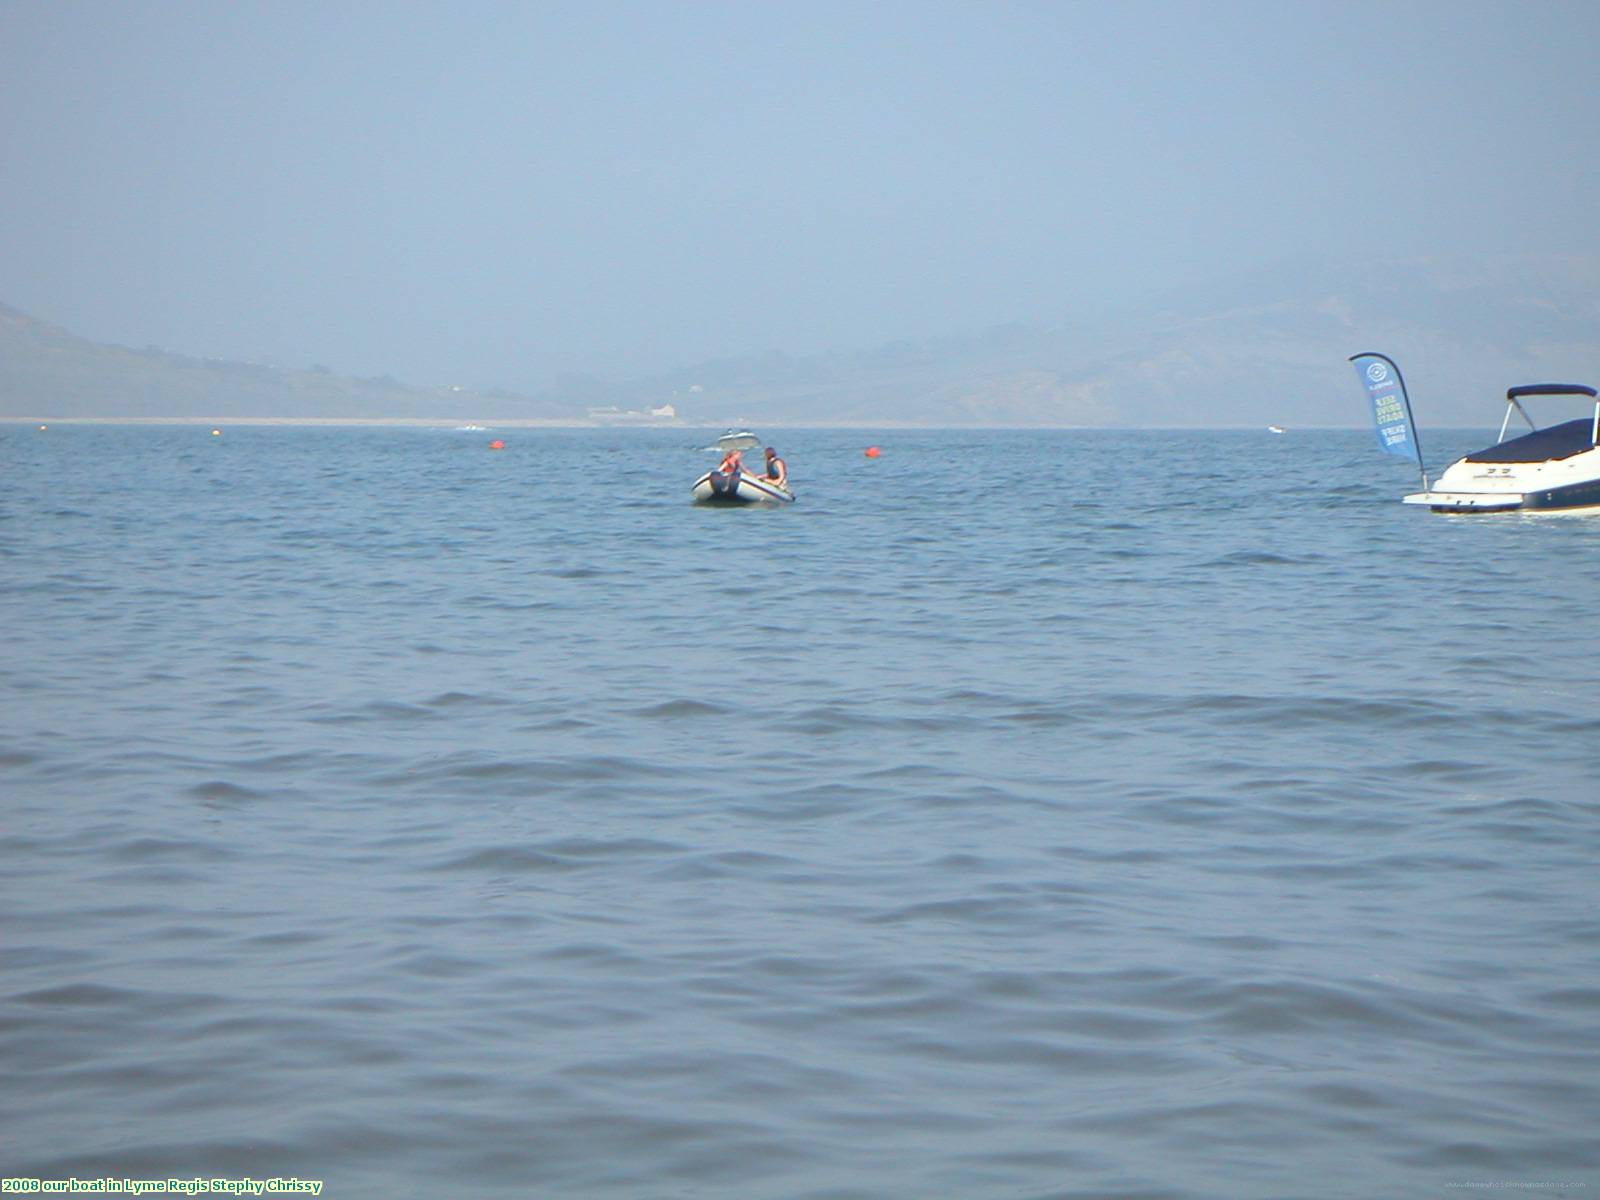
x=494, y=193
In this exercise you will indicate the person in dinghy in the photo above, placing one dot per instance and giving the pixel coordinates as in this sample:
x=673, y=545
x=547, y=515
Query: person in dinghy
x=777, y=469
x=732, y=462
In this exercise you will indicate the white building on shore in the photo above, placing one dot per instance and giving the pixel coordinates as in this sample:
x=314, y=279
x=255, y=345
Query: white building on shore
x=666, y=414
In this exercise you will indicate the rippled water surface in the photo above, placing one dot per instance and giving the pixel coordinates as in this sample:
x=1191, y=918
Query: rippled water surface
x=1078, y=814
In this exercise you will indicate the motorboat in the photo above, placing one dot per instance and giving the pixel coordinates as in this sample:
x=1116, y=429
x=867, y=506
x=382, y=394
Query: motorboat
x=735, y=439
x=739, y=486
x=1554, y=469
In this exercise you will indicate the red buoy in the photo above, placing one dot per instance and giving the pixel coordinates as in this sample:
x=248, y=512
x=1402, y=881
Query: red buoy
x=497, y=445
x=872, y=452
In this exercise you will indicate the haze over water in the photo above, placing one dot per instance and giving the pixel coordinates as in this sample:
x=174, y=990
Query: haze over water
x=1074, y=814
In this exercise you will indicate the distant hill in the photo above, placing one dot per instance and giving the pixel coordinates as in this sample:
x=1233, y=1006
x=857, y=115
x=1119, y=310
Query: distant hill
x=1260, y=349
x=1264, y=348
x=46, y=371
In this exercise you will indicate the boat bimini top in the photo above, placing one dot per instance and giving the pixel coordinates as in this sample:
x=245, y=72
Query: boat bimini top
x=1550, y=444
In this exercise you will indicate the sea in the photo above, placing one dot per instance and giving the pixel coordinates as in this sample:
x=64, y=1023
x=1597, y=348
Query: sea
x=1019, y=814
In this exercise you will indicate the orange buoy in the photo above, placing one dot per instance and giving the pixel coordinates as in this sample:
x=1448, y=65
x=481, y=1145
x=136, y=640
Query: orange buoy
x=872, y=452
x=497, y=444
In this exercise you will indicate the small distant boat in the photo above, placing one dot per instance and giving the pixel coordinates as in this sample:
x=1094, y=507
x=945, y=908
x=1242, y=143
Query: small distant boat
x=735, y=439
x=1554, y=469
x=1276, y=429
x=739, y=487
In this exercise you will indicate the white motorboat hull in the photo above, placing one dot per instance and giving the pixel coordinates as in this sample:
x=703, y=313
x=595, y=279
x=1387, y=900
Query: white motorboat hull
x=1470, y=485
x=738, y=487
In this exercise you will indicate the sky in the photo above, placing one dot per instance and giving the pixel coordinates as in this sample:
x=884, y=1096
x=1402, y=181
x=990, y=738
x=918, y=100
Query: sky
x=497, y=194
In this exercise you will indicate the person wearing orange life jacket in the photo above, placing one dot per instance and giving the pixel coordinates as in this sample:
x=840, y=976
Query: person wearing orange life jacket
x=732, y=463
x=777, y=469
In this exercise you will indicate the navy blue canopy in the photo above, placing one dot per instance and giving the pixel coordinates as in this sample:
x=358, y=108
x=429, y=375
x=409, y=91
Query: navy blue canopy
x=1542, y=445
x=1550, y=389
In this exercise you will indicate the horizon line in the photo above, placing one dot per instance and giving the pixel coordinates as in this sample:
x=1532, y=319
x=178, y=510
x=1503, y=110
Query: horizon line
x=487, y=423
